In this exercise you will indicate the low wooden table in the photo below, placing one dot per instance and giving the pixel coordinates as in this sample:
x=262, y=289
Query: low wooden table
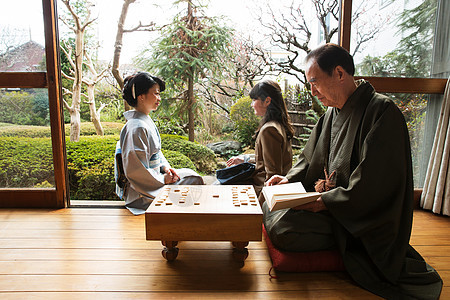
x=205, y=213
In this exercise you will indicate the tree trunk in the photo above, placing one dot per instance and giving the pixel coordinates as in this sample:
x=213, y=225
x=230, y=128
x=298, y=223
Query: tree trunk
x=75, y=124
x=190, y=80
x=118, y=47
x=79, y=29
x=210, y=118
x=191, y=101
x=75, y=120
x=95, y=117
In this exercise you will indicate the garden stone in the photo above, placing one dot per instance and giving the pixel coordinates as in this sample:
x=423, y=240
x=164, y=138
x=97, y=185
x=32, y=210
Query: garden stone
x=224, y=147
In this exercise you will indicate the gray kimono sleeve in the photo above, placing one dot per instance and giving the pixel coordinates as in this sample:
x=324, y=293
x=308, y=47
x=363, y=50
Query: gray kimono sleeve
x=136, y=153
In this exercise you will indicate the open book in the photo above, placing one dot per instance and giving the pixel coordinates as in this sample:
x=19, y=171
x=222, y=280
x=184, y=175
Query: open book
x=287, y=195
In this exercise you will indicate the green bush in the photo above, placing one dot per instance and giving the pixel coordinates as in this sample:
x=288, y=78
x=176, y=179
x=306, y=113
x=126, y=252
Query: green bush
x=90, y=163
x=169, y=126
x=87, y=129
x=25, y=162
x=244, y=120
x=202, y=157
x=90, y=179
x=25, y=131
x=178, y=160
x=24, y=108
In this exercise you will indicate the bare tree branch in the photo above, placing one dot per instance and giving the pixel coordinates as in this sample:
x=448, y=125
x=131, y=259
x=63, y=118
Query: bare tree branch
x=140, y=27
x=67, y=77
x=68, y=53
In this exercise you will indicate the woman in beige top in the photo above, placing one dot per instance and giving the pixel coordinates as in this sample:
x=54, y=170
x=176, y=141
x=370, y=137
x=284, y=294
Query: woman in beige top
x=273, y=151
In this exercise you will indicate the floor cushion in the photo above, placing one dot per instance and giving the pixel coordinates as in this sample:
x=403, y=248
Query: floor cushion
x=329, y=260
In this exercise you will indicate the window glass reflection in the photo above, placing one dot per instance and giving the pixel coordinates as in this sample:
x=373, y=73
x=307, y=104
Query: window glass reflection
x=25, y=139
x=22, y=36
x=393, y=38
x=413, y=107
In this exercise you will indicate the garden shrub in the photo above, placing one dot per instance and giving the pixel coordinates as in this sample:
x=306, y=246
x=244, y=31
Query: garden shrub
x=25, y=131
x=178, y=160
x=24, y=108
x=244, y=120
x=87, y=129
x=25, y=162
x=203, y=158
x=90, y=179
x=168, y=126
x=90, y=163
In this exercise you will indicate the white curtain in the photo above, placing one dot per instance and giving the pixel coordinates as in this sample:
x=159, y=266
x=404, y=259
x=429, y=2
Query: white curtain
x=436, y=190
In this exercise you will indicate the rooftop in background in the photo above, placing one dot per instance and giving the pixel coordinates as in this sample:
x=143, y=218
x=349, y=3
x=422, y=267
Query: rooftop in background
x=28, y=57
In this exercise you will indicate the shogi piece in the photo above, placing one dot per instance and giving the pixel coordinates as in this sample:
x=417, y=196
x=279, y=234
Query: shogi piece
x=205, y=213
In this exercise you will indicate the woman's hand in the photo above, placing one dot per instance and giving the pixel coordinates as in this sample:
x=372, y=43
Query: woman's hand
x=170, y=176
x=234, y=161
x=277, y=179
x=314, y=206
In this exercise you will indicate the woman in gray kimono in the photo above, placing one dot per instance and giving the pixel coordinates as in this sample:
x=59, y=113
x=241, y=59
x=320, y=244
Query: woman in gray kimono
x=145, y=167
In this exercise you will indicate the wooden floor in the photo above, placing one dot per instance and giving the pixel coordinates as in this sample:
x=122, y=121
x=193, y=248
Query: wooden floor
x=86, y=253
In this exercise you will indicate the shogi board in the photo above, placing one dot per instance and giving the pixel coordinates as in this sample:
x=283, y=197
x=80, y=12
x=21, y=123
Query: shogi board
x=205, y=213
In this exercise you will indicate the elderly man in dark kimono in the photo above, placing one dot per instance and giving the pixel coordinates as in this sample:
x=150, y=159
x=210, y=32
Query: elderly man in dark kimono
x=359, y=156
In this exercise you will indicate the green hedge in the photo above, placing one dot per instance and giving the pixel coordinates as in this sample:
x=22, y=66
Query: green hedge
x=27, y=162
x=203, y=158
x=178, y=160
x=87, y=128
x=90, y=163
x=24, y=131
x=9, y=130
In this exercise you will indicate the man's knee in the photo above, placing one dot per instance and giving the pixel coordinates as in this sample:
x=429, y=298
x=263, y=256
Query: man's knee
x=299, y=231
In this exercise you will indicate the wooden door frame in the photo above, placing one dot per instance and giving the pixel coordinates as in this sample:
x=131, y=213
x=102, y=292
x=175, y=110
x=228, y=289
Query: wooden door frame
x=51, y=79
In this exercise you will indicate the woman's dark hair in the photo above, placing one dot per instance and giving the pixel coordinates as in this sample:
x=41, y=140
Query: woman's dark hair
x=329, y=56
x=276, y=111
x=138, y=84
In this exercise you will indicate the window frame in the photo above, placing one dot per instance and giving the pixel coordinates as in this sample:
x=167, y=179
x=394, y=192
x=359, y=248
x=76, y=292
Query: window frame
x=387, y=84
x=51, y=80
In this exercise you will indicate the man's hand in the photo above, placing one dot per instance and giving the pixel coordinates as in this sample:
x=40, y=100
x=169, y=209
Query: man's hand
x=276, y=179
x=314, y=206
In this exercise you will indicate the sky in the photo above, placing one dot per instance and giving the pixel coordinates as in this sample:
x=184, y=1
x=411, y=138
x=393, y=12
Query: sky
x=24, y=22
x=27, y=23
x=108, y=12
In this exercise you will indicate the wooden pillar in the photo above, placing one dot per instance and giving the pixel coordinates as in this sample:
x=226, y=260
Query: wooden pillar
x=55, y=100
x=345, y=20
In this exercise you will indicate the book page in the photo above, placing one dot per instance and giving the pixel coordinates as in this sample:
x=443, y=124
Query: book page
x=289, y=201
x=283, y=189
x=287, y=195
